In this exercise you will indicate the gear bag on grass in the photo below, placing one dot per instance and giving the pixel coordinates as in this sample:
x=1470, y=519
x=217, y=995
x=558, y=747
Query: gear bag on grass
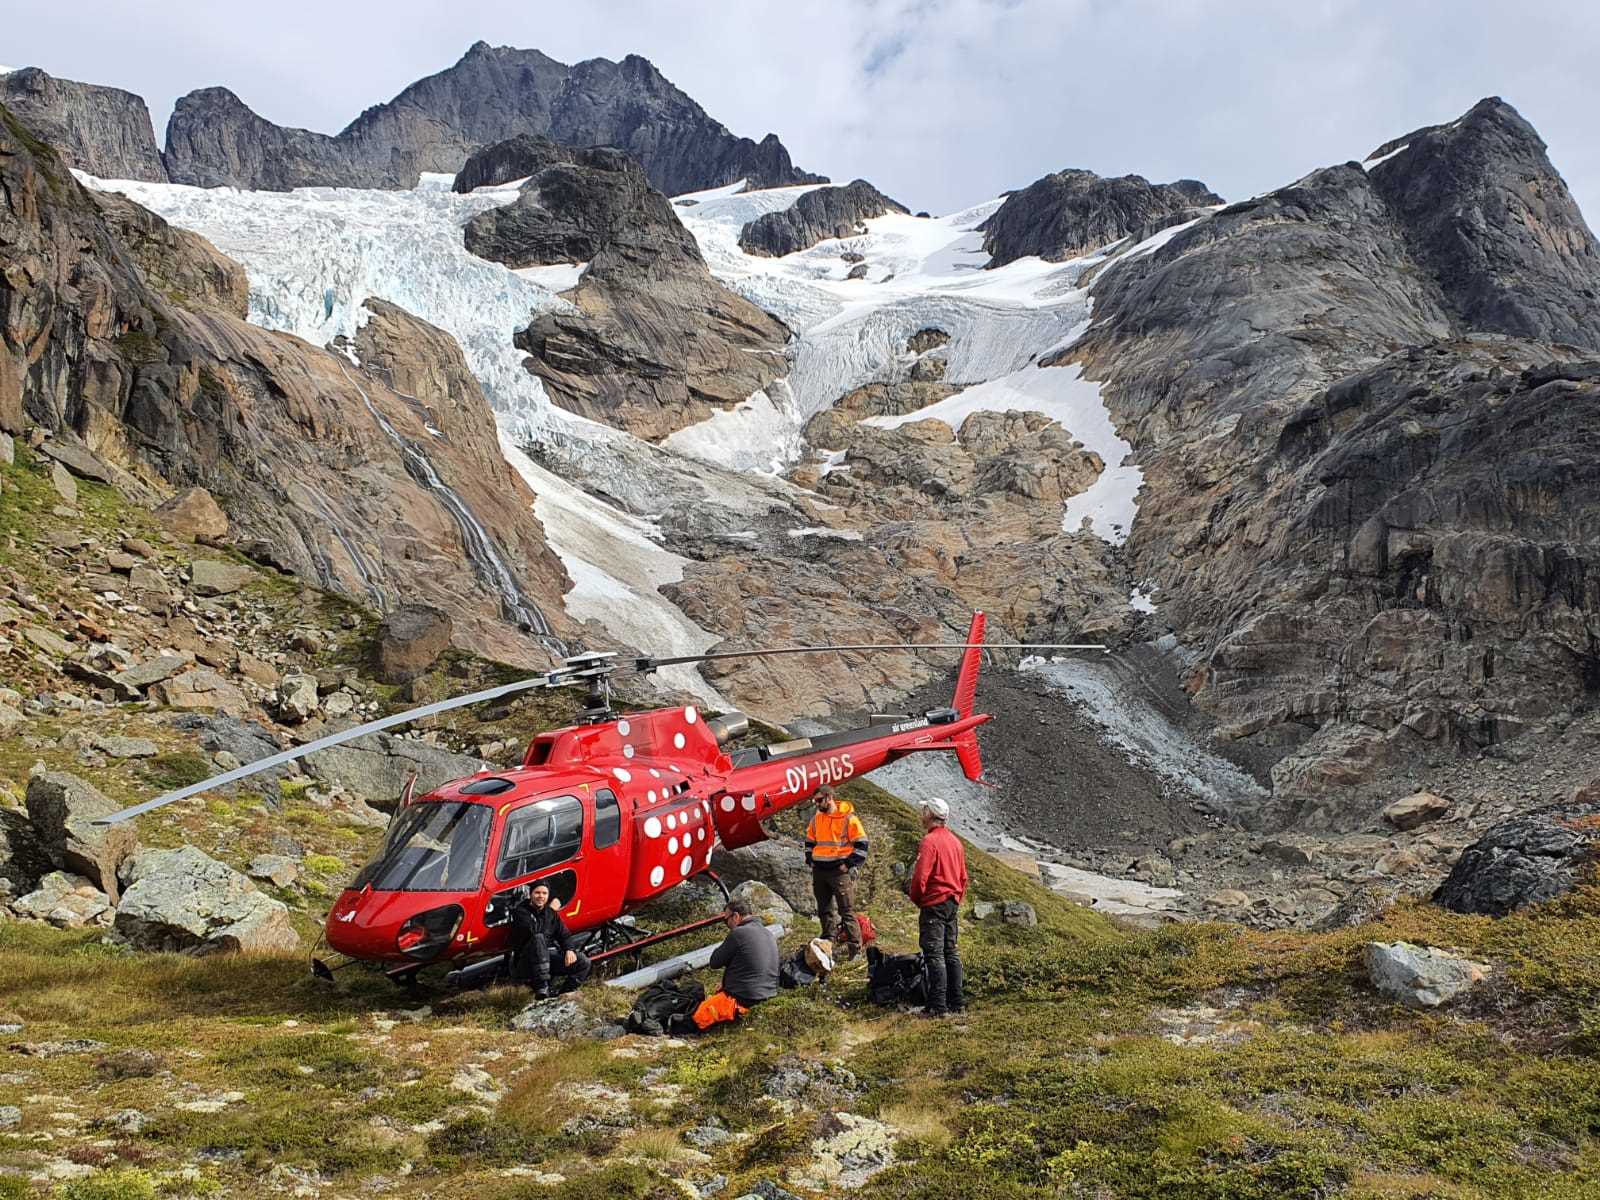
x=894, y=978
x=659, y=1003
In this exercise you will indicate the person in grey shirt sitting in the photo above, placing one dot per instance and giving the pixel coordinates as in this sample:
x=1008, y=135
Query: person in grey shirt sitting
x=748, y=957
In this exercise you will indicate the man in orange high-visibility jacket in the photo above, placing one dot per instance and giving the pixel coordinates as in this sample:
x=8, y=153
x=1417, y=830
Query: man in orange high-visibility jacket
x=836, y=844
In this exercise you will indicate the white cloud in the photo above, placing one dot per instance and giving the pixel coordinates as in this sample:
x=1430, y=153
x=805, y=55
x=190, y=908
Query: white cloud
x=939, y=102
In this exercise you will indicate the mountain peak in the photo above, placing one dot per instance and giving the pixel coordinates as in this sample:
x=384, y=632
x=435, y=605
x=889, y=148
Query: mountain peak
x=1484, y=209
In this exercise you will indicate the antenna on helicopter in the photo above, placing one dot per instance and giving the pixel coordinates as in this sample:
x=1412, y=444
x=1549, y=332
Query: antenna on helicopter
x=593, y=669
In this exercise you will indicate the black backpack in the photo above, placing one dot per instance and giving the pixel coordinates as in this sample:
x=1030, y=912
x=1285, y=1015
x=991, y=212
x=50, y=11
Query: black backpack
x=663, y=1006
x=894, y=979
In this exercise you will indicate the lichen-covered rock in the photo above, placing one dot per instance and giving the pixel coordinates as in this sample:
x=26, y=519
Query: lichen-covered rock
x=186, y=901
x=296, y=700
x=1009, y=912
x=62, y=809
x=561, y=1019
x=375, y=767
x=767, y=904
x=1420, y=976
x=65, y=901
x=778, y=864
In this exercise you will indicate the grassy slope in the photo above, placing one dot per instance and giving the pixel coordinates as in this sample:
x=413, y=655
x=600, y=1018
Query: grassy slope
x=1065, y=1080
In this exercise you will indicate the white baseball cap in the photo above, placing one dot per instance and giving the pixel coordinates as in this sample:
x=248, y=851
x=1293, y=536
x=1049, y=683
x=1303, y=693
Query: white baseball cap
x=937, y=807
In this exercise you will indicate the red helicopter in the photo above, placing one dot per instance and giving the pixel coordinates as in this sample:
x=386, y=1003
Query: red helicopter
x=609, y=813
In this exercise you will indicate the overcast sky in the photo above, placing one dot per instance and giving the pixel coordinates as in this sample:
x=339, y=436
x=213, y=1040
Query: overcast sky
x=941, y=103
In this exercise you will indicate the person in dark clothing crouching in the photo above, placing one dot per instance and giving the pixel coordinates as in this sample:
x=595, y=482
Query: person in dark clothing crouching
x=544, y=947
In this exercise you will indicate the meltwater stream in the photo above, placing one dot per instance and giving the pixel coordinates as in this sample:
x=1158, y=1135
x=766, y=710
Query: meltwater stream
x=481, y=550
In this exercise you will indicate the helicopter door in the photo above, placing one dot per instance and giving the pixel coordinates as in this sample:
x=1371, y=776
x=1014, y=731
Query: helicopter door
x=605, y=876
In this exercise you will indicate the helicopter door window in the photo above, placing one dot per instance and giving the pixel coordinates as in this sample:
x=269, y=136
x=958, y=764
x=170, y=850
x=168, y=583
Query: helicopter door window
x=540, y=835
x=607, y=819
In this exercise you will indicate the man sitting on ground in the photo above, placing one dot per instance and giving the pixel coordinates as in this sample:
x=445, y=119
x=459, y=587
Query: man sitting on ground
x=748, y=957
x=544, y=947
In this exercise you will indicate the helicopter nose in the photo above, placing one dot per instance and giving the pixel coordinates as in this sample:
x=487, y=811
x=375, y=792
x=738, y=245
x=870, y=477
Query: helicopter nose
x=356, y=933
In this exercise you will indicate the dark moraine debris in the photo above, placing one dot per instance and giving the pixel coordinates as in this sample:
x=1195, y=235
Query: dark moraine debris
x=1526, y=860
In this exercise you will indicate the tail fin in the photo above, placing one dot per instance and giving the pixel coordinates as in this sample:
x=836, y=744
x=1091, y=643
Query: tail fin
x=966, y=690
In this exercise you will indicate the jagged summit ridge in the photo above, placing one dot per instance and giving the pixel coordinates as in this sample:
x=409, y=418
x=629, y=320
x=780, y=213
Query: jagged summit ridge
x=491, y=94
x=1485, y=211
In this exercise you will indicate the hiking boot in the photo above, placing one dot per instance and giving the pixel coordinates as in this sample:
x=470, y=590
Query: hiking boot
x=933, y=1014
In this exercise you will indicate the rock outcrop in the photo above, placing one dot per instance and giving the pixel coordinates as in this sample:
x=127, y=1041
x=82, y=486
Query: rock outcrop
x=1069, y=213
x=1372, y=514
x=102, y=130
x=1526, y=860
x=491, y=94
x=520, y=157
x=574, y=203
x=184, y=900
x=63, y=810
x=652, y=343
x=1488, y=216
x=1420, y=976
x=827, y=212
x=323, y=468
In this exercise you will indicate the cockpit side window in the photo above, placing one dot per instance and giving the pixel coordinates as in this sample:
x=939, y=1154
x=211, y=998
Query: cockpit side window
x=540, y=835
x=607, y=819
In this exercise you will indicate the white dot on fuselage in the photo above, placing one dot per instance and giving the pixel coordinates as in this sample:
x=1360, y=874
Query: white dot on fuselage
x=683, y=867
x=656, y=876
x=652, y=828
x=690, y=715
x=622, y=775
x=677, y=740
x=729, y=804
x=624, y=728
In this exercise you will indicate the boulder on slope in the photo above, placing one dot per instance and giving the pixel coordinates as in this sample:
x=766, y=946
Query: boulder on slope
x=184, y=900
x=62, y=809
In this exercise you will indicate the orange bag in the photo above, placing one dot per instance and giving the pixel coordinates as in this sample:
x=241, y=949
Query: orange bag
x=717, y=1008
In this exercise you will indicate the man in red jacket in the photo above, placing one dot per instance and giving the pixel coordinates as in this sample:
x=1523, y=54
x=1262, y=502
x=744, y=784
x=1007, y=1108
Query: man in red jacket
x=938, y=884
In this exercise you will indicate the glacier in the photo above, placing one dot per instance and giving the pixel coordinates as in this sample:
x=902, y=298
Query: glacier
x=314, y=255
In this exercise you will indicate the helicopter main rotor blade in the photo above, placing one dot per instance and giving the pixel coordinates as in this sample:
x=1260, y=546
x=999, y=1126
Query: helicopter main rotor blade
x=650, y=664
x=335, y=739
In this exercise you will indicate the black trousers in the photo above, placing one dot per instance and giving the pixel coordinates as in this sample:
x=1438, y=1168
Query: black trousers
x=538, y=960
x=836, y=889
x=941, y=961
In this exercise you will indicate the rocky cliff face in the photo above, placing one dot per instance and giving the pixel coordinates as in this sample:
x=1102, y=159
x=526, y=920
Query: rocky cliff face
x=830, y=212
x=102, y=130
x=655, y=342
x=490, y=95
x=1072, y=212
x=1483, y=210
x=575, y=203
x=515, y=158
x=1374, y=515
x=325, y=469
x=215, y=140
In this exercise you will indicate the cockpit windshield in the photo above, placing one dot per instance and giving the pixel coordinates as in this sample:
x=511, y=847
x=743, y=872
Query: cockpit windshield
x=433, y=847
